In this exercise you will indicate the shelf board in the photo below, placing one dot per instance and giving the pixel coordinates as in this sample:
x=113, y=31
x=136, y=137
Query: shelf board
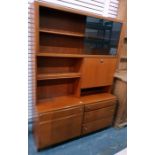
x=43, y=54
x=57, y=103
x=58, y=76
x=61, y=32
x=59, y=55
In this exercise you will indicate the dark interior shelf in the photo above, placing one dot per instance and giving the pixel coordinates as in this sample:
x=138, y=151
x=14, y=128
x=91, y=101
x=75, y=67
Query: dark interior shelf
x=74, y=34
x=61, y=32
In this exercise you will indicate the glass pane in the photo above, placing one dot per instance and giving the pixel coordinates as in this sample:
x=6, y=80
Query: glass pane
x=101, y=36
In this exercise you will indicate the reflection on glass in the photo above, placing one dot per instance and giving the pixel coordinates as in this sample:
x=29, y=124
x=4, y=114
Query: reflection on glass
x=101, y=36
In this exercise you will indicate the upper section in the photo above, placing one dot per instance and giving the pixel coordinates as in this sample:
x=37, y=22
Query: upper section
x=76, y=11
x=63, y=30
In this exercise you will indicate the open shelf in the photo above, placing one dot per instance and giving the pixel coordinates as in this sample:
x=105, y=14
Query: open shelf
x=94, y=90
x=61, y=50
x=58, y=68
x=61, y=32
x=56, y=88
x=61, y=43
x=60, y=22
x=58, y=76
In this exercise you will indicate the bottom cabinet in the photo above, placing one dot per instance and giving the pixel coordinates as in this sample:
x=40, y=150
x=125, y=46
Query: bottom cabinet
x=59, y=130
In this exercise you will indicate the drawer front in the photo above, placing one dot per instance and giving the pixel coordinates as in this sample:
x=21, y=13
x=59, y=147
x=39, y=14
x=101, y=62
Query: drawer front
x=60, y=113
x=99, y=114
x=98, y=105
x=96, y=125
x=53, y=132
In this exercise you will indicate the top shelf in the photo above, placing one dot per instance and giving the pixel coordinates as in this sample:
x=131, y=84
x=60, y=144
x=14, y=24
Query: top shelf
x=61, y=32
x=76, y=11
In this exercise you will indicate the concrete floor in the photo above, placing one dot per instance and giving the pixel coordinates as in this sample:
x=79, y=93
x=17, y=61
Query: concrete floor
x=105, y=142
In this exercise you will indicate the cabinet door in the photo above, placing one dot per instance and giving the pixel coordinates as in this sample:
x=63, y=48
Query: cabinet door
x=59, y=130
x=98, y=72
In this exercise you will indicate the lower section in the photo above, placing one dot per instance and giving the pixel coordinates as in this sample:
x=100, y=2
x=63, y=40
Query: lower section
x=58, y=125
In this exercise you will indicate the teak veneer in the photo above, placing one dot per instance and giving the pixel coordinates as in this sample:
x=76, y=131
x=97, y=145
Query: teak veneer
x=58, y=76
x=58, y=103
x=76, y=57
x=44, y=54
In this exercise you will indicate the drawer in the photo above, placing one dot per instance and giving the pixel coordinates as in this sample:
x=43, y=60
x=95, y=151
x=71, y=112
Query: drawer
x=99, y=114
x=98, y=105
x=60, y=113
x=96, y=125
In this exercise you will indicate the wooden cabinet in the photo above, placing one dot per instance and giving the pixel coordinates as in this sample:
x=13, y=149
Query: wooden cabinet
x=98, y=72
x=75, y=60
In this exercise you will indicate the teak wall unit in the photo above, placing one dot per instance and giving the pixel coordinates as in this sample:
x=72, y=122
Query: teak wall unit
x=76, y=56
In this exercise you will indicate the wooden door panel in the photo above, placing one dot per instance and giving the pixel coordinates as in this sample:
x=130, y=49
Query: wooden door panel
x=105, y=71
x=44, y=135
x=98, y=72
x=89, y=70
x=65, y=129
x=59, y=130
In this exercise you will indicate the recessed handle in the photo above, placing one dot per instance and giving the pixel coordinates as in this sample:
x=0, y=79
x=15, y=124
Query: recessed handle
x=101, y=60
x=85, y=128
